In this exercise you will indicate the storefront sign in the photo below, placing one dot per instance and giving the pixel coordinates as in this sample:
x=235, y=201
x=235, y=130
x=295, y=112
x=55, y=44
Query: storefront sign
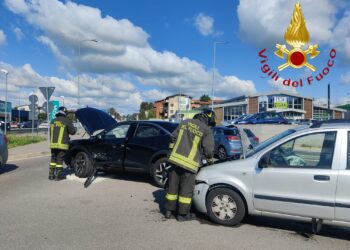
x=281, y=105
x=297, y=36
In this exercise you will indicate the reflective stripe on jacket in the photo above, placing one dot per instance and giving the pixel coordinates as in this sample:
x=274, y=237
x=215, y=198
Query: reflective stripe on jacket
x=191, y=137
x=60, y=129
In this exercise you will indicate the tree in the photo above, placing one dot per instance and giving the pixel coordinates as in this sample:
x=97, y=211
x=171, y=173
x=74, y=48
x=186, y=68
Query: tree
x=42, y=116
x=111, y=111
x=146, y=111
x=205, y=98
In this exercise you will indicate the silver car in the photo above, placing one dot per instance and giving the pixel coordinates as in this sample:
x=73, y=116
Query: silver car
x=301, y=173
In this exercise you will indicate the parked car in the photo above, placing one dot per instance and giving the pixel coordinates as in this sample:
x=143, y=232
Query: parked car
x=301, y=173
x=241, y=118
x=3, y=149
x=2, y=126
x=14, y=124
x=227, y=143
x=140, y=146
x=254, y=140
x=264, y=118
x=29, y=124
x=44, y=125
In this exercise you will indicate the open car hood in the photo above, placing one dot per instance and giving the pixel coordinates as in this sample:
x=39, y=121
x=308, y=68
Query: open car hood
x=93, y=120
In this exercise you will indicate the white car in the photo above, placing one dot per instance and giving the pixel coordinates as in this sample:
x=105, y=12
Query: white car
x=301, y=173
x=43, y=125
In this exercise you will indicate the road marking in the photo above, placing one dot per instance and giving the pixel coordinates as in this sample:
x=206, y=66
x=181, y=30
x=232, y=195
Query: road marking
x=27, y=158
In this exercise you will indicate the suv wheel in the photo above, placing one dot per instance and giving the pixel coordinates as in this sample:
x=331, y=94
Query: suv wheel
x=225, y=207
x=82, y=165
x=222, y=155
x=160, y=172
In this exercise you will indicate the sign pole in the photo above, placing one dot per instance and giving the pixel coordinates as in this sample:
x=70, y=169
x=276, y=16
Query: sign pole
x=33, y=106
x=48, y=116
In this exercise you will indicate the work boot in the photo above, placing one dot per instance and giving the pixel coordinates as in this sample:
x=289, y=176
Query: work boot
x=58, y=175
x=168, y=214
x=51, y=173
x=186, y=217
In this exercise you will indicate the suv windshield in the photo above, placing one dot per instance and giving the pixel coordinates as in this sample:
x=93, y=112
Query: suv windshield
x=270, y=141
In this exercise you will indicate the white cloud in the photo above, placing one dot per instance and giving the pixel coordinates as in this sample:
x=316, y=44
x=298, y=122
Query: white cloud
x=53, y=47
x=204, y=24
x=18, y=33
x=345, y=78
x=341, y=36
x=279, y=86
x=98, y=92
x=122, y=49
x=270, y=20
x=2, y=37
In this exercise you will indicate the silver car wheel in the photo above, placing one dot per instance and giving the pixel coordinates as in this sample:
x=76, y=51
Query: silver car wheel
x=162, y=172
x=224, y=207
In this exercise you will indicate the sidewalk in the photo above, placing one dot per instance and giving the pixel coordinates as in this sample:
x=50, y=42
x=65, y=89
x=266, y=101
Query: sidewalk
x=33, y=150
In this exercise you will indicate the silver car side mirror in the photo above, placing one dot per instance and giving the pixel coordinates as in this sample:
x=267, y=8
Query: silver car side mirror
x=263, y=162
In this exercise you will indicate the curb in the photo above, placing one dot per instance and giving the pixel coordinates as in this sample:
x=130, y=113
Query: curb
x=26, y=156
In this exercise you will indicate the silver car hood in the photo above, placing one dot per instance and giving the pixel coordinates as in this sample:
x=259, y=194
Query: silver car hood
x=220, y=169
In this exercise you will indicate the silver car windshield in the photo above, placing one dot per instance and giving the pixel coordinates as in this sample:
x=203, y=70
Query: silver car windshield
x=269, y=141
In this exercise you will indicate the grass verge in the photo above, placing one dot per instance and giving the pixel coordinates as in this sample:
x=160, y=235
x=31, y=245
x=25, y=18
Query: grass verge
x=18, y=140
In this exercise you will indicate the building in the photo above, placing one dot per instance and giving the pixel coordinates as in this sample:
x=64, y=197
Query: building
x=292, y=106
x=8, y=111
x=167, y=108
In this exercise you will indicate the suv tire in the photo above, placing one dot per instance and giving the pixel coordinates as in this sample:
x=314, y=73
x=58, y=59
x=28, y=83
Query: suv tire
x=160, y=172
x=225, y=207
x=82, y=165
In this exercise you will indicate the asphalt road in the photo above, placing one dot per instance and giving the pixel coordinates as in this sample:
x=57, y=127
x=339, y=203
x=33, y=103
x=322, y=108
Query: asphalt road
x=122, y=212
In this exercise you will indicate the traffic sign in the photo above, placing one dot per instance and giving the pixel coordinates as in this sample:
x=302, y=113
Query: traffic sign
x=47, y=92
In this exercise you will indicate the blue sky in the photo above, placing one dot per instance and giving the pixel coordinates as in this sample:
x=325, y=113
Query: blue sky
x=147, y=50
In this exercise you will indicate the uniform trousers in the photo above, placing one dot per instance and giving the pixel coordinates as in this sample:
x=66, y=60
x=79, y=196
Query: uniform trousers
x=180, y=190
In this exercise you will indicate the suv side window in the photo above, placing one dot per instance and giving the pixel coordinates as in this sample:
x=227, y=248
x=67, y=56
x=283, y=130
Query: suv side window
x=308, y=151
x=118, y=132
x=348, y=166
x=146, y=130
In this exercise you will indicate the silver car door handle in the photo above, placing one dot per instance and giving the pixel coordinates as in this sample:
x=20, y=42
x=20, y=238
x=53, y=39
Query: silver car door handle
x=322, y=177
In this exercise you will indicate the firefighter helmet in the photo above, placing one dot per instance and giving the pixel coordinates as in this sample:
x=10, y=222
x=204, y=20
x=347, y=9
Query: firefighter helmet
x=208, y=115
x=62, y=111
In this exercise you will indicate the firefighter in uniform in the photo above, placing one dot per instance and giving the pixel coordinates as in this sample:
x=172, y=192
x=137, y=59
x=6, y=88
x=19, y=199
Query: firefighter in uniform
x=60, y=129
x=191, y=140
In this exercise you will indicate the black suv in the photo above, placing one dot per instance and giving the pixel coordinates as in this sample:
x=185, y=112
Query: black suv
x=139, y=146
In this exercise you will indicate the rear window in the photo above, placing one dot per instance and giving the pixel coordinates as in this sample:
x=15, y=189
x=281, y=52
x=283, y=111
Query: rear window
x=248, y=132
x=231, y=132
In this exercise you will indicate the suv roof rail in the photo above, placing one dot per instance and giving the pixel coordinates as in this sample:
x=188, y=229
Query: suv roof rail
x=331, y=122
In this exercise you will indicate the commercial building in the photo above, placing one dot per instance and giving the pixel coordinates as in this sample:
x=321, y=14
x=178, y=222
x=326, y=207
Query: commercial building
x=292, y=106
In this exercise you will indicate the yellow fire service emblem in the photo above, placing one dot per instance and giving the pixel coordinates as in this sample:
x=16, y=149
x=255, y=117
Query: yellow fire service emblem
x=297, y=36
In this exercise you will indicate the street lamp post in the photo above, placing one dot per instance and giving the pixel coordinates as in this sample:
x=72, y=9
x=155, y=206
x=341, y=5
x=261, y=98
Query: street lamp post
x=213, y=80
x=79, y=45
x=6, y=73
